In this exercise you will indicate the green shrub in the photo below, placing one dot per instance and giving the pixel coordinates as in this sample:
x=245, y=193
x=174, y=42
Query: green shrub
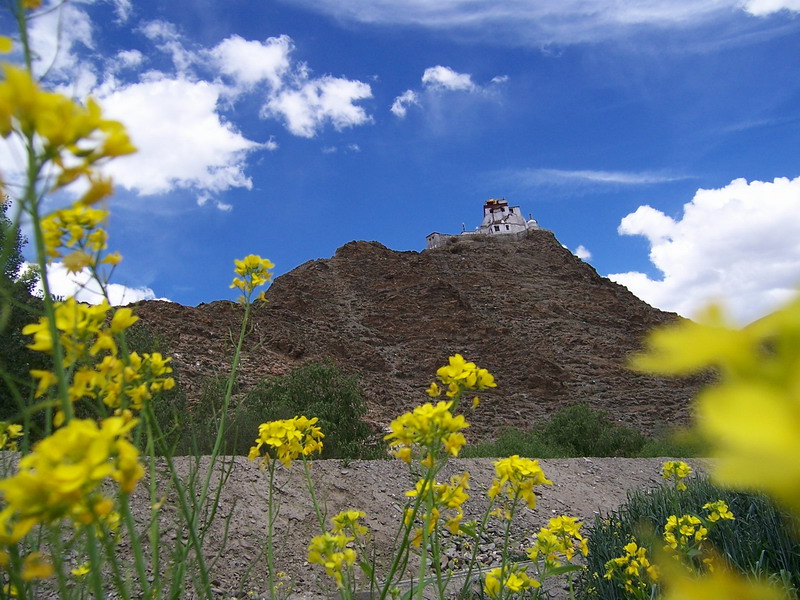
x=514, y=441
x=319, y=390
x=584, y=431
x=759, y=541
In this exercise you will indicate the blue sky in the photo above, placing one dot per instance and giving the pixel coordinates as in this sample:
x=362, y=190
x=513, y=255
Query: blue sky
x=658, y=139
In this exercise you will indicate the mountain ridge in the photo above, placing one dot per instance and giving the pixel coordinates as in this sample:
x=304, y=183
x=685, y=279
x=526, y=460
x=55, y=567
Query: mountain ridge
x=551, y=330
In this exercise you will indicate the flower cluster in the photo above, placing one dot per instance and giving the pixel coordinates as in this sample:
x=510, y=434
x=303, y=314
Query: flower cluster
x=347, y=522
x=77, y=229
x=459, y=375
x=684, y=532
x=62, y=476
x=677, y=471
x=718, y=510
x=9, y=434
x=513, y=578
x=515, y=478
x=85, y=331
x=633, y=569
x=427, y=427
x=445, y=496
x=76, y=138
x=559, y=539
x=251, y=272
x=332, y=551
x=287, y=440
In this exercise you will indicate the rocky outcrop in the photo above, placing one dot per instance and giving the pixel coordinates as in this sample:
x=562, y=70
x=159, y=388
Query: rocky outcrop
x=551, y=330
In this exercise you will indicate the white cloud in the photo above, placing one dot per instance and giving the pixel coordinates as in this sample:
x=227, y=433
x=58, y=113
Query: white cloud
x=445, y=78
x=739, y=244
x=500, y=79
x=402, y=102
x=182, y=140
x=583, y=253
x=250, y=62
x=542, y=21
x=307, y=108
x=170, y=41
x=54, y=34
x=762, y=8
x=86, y=289
x=613, y=177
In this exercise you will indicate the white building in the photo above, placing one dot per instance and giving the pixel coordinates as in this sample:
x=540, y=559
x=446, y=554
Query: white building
x=498, y=219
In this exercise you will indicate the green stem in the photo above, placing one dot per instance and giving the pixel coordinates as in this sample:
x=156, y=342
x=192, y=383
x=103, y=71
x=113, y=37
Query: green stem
x=310, y=486
x=506, y=540
x=270, y=525
x=136, y=546
x=474, y=557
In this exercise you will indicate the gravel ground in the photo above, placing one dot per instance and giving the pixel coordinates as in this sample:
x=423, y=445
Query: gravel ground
x=582, y=487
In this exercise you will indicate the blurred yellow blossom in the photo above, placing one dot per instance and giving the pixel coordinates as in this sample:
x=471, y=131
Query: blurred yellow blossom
x=62, y=476
x=35, y=566
x=9, y=434
x=751, y=417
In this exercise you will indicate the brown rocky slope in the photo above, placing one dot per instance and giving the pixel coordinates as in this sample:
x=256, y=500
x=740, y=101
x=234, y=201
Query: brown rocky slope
x=551, y=330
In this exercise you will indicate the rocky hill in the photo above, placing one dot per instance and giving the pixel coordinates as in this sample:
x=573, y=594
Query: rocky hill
x=551, y=330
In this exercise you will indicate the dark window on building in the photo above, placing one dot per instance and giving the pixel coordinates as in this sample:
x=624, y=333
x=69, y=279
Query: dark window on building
x=506, y=227
x=497, y=227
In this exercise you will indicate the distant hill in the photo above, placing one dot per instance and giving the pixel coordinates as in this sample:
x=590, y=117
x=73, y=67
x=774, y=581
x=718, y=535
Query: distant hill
x=551, y=330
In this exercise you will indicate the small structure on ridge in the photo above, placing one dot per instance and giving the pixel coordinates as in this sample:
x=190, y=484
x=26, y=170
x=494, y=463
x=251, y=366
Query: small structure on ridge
x=498, y=219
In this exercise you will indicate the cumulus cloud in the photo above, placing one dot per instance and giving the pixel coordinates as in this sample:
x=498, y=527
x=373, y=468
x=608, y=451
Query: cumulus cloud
x=583, y=253
x=56, y=36
x=543, y=21
x=402, y=102
x=436, y=81
x=182, y=140
x=86, y=289
x=445, y=78
x=305, y=109
x=739, y=244
x=250, y=62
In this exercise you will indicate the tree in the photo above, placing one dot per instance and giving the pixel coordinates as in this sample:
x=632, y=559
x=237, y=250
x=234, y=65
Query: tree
x=18, y=307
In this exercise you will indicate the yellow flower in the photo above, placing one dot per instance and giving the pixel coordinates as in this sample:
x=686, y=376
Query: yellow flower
x=252, y=272
x=332, y=552
x=36, y=567
x=676, y=470
x=512, y=578
x=9, y=433
x=348, y=521
x=633, y=570
x=63, y=475
x=750, y=417
x=459, y=375
x=287, y=440
x=6, y=45
x=558, y=539
x=81, y=570
x=430, y=427
x=719, y=584
x=718, y=510
x=515, y=477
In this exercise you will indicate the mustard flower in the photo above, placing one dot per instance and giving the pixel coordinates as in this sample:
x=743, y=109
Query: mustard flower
x=633, y=570
x=9, y=434
x=558, y=539
x=35, y=566
x=63, y=475
x=429, y=427
x=251, y=272
x=516, y=477
x=459, y=375
x=81, y=570
x=684, y=533
x=677, y=471
x=445, y=496
x=332, y=552
x=750, y=417
x=720, y=584
x=718, y=510
x=513, y=578
x=287, y=440
x=347, y=521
